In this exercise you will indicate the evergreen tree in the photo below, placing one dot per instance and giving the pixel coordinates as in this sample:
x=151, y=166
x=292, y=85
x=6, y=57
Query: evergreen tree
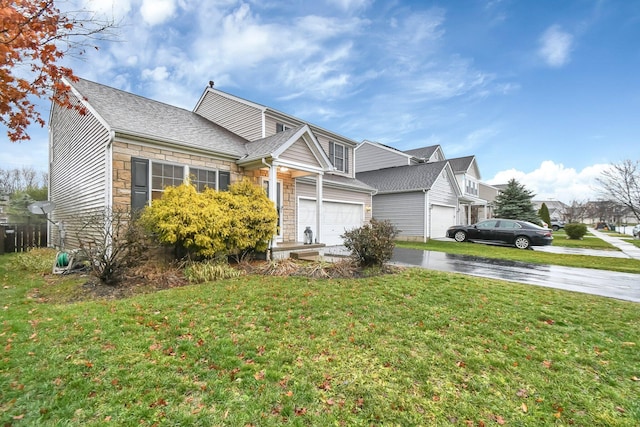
x=514, y=202
x=543, y=213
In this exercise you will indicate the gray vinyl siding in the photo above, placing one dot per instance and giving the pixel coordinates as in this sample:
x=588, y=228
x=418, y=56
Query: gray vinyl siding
x=442, y=192
x=240, y=118
x=404, y=210
x=301, y=153
x=370, y=157
x=77, y=170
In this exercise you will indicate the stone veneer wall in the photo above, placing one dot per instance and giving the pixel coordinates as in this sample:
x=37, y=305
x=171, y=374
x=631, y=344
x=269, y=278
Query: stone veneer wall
x=288, y=202
x=124, y=151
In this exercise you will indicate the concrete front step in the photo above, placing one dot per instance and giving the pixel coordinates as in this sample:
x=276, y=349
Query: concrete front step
x=306, y=255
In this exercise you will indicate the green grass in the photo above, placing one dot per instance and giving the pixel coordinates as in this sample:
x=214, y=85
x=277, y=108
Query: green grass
x=490, y=251
x=414, y=348
x=588, y=242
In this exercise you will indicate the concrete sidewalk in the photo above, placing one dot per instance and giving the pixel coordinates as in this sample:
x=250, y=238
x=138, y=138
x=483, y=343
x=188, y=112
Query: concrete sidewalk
x=627, y=248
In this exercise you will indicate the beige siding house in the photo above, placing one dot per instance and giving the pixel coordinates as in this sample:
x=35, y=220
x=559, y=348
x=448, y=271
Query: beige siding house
x=126, y=149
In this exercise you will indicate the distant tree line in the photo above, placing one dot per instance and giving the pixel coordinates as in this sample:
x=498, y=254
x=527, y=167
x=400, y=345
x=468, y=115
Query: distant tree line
x=19, y=187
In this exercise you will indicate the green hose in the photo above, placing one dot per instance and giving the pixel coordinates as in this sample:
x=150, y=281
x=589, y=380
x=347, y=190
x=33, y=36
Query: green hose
x=62, y=260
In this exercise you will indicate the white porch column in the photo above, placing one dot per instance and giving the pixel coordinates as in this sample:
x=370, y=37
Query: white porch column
x=319, y=208
x=273, y=196
x=469, y=214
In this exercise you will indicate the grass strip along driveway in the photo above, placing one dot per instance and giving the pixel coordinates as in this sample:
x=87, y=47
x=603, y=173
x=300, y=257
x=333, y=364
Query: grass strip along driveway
x=625, y=265
x=412, y=348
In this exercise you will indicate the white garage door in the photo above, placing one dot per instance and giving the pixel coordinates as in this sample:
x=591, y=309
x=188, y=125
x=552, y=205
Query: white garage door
x=442, y=217
x=336, y=218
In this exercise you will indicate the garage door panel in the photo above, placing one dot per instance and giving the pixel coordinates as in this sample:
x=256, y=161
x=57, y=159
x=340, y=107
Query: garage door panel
x=336, y=219
x=442, y=217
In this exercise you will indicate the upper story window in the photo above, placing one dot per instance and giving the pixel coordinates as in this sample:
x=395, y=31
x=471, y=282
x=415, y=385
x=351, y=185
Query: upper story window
x=339, y=156
x=281, y=127
x=471, y=187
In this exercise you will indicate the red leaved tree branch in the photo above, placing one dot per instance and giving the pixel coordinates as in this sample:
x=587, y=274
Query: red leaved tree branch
x=34, y=37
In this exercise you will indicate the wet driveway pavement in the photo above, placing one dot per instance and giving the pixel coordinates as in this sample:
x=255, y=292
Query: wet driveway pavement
x=624, y=286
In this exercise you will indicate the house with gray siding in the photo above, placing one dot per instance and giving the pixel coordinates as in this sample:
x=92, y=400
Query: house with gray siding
x=450, y=204
x=421, y=200
x=121, y=150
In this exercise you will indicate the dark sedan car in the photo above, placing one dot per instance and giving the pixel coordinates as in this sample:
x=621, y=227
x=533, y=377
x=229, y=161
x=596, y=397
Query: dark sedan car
x=521, y=234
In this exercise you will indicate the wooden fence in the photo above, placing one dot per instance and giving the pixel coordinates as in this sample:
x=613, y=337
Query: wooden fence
x=22, y=237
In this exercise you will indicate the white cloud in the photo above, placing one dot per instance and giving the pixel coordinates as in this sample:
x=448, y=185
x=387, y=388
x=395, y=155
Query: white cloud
x=156, y=12
x=349, y=5
x=553, y=181
x=555, y=46
x=158, y=74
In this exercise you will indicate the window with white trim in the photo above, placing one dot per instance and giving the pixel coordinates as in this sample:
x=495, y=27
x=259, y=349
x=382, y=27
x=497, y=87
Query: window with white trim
x=164, y=175
x=203, y=178
x=339, y=156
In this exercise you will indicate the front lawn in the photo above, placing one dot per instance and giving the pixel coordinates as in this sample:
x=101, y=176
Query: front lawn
x=413, y=348
x=625, y=265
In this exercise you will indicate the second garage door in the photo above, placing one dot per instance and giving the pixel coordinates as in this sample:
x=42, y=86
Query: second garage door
x=336, y=218
x=442, y=217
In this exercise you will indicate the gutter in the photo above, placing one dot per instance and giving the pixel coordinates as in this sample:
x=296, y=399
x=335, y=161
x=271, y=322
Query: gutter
x=427, y=215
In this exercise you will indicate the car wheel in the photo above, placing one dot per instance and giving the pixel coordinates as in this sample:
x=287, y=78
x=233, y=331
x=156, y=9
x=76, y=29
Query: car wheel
x=555, y=228
x=522, y=242
x=460, y=236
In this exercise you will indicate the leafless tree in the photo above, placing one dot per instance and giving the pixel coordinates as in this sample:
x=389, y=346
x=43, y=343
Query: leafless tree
x=576, y=211
x=620, y=184
x=21, y=179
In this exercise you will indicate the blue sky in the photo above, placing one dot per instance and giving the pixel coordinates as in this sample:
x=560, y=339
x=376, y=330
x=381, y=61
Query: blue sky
x=544, y=91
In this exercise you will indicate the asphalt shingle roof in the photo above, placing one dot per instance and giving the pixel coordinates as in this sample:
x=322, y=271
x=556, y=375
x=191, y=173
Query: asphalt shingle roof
x=133, y=114
x=403, y=178
x=461, y=164
x=266, y=146
x=422, y=153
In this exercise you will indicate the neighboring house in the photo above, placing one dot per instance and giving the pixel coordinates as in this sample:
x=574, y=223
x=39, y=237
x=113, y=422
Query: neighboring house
x=489, y=194
x=374, y=156
x=421, y=200
x=557, y=209
x=473, y=207
x=449, y=198
x=126, y=149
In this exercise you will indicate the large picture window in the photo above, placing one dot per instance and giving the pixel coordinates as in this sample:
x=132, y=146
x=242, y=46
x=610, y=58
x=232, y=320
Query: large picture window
x=339, y=156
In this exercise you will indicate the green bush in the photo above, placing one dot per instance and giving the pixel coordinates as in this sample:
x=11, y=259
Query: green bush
x=213, y=223
x=373, y=243
x=575, y=231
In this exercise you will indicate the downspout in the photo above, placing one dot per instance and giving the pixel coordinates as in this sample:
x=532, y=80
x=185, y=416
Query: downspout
x=109, y=210
x=109, y=169
x=427, y=216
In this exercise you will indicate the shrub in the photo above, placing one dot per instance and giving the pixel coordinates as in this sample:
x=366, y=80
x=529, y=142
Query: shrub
x=575, y=231
x=113, y=241
x=38, y=260
x=213, y=223
x=373, y=243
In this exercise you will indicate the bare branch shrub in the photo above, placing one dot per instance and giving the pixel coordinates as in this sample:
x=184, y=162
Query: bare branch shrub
x=113, y=242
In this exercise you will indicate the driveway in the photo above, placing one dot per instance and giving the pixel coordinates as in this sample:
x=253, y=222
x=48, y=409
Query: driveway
x=624, y=286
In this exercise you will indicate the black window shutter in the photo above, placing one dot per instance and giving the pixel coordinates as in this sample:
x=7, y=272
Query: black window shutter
x=279, y=127
x=225, y=180
x=139, y=183
x=331, y=147
x=346, y=160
